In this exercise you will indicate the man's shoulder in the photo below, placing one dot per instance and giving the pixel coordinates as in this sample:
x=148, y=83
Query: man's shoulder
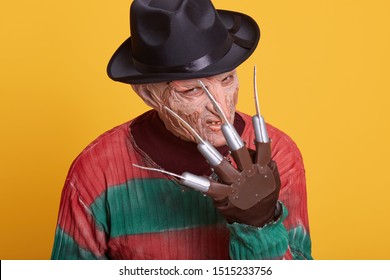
x=111, y=138
x=104, y=149
x=113, y=148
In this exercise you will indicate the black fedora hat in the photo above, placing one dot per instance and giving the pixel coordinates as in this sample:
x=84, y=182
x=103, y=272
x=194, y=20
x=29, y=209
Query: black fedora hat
x=182, y=39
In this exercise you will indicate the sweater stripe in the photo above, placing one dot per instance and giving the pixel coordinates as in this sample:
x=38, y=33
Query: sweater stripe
x=207, y=242
x=140, y=206
x=66, y=248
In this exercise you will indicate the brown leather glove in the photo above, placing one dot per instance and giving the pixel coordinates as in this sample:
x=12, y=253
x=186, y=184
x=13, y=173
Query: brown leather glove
x=248, y=195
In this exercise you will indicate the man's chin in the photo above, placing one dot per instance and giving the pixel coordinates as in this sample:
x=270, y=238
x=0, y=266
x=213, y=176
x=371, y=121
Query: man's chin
x=216, y=141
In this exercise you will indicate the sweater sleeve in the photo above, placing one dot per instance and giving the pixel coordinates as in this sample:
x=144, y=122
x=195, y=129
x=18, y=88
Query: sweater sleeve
x=83, y=227
x=78, y=235
x=252, y=243
x=272, y=241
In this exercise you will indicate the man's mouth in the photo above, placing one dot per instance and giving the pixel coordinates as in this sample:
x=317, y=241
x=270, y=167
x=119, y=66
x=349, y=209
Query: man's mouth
x=214, y=125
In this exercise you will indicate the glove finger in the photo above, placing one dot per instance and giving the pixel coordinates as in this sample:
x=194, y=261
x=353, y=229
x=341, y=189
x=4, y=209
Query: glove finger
x=218, y=191
x=263, y=153
x=227, y=174
x=243, y=160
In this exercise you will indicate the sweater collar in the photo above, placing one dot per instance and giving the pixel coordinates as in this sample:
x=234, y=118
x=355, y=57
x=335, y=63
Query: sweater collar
x=169, y=151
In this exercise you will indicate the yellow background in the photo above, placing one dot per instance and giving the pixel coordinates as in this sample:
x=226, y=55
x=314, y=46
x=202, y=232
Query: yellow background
x=323, y=69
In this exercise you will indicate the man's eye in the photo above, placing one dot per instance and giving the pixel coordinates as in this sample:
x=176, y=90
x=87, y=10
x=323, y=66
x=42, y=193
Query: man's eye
x=191, y=91
x=227, y=79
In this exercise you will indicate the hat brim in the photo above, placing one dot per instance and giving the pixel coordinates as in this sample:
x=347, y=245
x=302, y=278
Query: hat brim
x=121, y=67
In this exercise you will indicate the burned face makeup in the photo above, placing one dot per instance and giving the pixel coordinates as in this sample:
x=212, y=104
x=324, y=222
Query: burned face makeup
x=188, y=99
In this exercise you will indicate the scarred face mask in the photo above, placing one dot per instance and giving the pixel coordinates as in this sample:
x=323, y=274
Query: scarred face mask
x=188, y=99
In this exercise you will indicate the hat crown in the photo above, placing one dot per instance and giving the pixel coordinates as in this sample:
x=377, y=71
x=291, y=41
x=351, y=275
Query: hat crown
x=174, y=32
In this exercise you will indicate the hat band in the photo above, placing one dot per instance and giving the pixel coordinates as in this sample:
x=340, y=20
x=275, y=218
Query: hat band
x=192, y=66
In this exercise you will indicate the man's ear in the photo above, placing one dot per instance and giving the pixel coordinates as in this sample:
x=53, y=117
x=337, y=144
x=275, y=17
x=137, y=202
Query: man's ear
x=146, y=95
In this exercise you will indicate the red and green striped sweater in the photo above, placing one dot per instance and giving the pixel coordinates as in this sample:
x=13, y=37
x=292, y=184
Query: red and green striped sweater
x=112, y=210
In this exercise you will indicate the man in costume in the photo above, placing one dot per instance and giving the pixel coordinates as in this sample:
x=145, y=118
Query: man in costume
x=235, y=197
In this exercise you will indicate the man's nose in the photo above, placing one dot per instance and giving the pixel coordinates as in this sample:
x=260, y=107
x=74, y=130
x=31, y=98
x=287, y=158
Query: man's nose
x=220, y=97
